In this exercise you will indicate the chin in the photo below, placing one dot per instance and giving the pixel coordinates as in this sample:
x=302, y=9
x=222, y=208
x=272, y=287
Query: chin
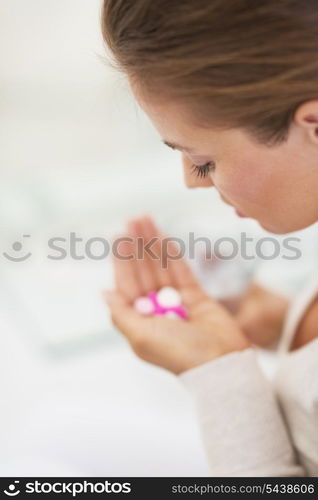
x=273, y=229
x=283, y=229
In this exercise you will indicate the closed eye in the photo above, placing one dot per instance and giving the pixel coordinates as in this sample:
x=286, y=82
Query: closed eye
x=203, y=170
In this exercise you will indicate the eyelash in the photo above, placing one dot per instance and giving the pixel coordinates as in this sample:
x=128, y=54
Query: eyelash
x=203, y=170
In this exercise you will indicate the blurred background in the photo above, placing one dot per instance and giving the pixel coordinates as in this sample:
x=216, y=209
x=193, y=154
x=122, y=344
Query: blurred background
x=78, y=156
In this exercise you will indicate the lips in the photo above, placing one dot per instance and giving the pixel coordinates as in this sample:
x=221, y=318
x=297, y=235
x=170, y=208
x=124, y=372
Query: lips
x=240, y=214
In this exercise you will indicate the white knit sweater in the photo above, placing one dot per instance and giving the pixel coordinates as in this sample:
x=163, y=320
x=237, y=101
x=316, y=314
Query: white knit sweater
x=253, y=427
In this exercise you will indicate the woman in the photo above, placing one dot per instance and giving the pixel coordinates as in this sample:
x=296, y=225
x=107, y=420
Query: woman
x=234, y=86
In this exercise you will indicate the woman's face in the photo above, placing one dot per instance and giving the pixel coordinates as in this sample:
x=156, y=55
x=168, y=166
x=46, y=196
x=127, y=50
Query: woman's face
x=276, y=185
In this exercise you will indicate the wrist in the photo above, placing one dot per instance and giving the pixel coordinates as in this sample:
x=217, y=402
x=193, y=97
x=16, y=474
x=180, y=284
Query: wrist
x=199, y=358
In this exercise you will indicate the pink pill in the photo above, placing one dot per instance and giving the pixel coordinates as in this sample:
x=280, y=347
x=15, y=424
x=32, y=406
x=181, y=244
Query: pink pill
x=180, y=311
x=172, y=314
x=157, y=307
x=150, y=305
x=144, y=306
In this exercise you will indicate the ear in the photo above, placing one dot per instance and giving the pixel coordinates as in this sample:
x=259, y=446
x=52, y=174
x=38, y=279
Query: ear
x=306, y=116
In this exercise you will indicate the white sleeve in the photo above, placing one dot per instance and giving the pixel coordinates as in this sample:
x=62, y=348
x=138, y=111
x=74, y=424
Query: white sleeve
x=297, y=387
x=240, y=421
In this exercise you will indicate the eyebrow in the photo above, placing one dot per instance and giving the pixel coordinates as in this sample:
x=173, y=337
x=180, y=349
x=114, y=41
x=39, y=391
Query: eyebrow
x=173, y=145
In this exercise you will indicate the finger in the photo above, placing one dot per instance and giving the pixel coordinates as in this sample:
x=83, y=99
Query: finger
x=126, y=276
x=192, y=295
x=160, y=268
x=125, y=318
x=155, y=257
x=171, y=268
x=181, y=274
x=180, y=271
x=146, y=275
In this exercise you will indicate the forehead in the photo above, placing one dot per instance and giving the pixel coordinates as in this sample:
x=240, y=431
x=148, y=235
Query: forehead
x=176, y=125
x=169, y=117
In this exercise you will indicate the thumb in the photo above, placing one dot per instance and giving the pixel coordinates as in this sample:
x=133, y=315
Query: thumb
x=124, y=317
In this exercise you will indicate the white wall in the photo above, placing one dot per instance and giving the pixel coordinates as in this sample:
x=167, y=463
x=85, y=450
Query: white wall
x=76, y=154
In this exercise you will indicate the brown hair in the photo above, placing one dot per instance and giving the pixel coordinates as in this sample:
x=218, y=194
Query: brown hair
x=238, y=63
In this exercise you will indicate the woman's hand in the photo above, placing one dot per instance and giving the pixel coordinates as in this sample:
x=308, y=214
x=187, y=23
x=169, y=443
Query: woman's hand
x=177, y=345
x=261, y=315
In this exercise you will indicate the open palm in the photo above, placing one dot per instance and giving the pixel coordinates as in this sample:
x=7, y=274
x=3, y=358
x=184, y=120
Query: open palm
x=174, y=344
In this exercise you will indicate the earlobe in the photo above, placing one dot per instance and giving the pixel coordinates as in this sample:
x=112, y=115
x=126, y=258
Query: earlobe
x=313, y=132
x=306, y=116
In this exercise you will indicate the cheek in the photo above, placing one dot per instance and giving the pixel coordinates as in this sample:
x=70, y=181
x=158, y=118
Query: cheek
x=248, y=181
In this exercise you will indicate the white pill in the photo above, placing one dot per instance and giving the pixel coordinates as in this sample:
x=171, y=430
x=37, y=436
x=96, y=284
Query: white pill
x=226, y=249
x=172, y=314
x=144, y=306
x=168, y=297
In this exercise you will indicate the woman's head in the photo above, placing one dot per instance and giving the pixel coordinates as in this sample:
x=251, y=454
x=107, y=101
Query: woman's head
x=235, y=84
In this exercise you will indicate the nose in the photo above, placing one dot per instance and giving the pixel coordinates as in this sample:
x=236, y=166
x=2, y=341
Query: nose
x=191, y=179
